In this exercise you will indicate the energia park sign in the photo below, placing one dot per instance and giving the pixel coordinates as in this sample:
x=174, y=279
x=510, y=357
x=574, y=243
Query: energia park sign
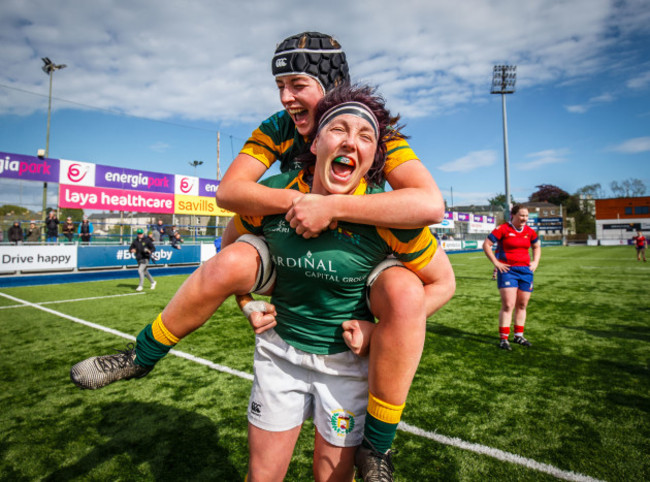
x=83, y=185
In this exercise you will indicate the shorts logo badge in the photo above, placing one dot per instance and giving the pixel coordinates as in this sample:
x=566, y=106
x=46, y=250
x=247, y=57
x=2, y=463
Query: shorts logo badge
x=342, y=422
x=256, y=408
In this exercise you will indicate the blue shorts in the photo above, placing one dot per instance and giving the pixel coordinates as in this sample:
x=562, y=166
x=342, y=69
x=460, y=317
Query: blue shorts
x=520, y=277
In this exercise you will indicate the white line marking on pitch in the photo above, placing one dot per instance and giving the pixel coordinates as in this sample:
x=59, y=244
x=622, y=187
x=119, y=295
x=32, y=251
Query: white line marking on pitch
x=443, y=439
x=22, y=305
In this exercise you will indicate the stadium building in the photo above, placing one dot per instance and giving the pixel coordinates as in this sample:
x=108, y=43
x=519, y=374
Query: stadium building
x=618, y=219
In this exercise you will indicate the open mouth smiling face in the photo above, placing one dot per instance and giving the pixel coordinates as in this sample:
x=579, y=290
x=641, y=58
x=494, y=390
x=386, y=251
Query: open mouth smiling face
x=345, y=151
x=342, y=168
x=299, y=95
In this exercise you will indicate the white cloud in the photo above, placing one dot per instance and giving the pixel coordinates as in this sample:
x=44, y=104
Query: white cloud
x=602, y=99
x=164, y=60
x=577, y=109
x=543, y=159
x=594, y=101
x=159, y=147
x=633, y=146
x=470, y=162
x=640, y=81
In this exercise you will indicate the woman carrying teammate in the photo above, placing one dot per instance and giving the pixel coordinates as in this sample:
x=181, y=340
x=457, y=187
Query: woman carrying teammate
x=303, y=367
x=515, y=271
x=306, y=66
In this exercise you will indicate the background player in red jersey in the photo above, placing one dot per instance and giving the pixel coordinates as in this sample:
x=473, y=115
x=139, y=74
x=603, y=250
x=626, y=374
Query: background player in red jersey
x=640, y=242
x=515, y=271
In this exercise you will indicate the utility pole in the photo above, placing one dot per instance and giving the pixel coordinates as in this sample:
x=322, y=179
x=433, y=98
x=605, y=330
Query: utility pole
x=49, y=69
x=195, y=164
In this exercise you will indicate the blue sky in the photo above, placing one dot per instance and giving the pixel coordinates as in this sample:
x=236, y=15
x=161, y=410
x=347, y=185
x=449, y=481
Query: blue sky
x=149, y=84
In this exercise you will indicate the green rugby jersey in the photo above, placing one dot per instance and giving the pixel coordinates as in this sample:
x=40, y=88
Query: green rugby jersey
x=277, y=139
x=321, y=281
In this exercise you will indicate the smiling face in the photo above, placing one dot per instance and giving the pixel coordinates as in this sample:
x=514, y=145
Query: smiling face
x=299, y=95
x=520, y=218
x=345, y=150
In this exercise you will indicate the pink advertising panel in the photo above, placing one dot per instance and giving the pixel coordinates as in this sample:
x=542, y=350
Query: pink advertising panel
x=86, y=197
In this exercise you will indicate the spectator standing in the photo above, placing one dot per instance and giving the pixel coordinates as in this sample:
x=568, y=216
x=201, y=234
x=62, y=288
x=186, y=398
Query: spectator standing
x=159, y=232
x=68, y=228
x=640, y=242
x=34, y=233
x=52, y=227
x=85, y=230
x=143, y=247
x=15, y=233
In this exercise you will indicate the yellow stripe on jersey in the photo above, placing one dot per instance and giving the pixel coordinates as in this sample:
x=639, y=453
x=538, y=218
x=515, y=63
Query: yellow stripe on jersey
x=419, y=249
x=257, y=146
x=398, y=152
x=252, y=220
x=361, y=188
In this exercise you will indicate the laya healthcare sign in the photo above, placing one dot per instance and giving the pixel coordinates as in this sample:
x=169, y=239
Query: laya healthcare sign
x=84, y=185
x=82, y=197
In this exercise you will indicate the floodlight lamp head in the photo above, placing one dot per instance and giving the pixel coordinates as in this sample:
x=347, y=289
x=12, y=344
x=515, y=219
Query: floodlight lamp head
x=504, y=78
x=50, y=66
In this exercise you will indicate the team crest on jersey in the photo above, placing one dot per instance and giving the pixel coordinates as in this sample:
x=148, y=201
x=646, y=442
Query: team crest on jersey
x=342, y=422
x=347, y=235
x=281, y=227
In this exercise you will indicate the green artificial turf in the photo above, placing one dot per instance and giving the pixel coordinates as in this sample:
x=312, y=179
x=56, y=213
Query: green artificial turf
x=577, y=401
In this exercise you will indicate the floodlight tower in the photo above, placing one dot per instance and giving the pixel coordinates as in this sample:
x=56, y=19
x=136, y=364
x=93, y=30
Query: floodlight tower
x=49, y=69
x=503, y=82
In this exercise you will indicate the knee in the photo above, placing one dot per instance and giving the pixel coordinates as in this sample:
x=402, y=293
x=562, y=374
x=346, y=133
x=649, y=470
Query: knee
x=521, y=305
x=447, y=284
x=397, y=292
x=234, y=268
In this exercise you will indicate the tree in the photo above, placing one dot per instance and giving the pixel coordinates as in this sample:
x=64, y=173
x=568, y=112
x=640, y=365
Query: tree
x=549, y=193
x=12, y=209
x=592, y=191
x=75, y=214
x=629, y=188
x=499, y=200
x=585, y=222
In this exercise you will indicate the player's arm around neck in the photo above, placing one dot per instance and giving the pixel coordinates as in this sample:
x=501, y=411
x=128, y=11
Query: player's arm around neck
x=240, y=192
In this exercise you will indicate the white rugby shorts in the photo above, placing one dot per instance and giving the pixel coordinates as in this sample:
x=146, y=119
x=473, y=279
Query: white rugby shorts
x=291, y=385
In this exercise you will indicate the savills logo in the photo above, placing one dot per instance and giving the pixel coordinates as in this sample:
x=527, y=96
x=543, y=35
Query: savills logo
x=76, y=173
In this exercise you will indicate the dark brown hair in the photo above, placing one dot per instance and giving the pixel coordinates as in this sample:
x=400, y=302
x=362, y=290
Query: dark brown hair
x=388, y=127
x=515, y=209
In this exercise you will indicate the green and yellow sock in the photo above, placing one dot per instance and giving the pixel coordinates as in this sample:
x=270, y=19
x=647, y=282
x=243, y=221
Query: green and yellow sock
x=382, y=419
x=153, y=343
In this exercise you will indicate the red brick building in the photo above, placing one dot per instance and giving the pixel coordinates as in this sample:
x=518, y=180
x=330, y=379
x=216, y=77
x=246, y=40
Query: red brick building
x=618, y=219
